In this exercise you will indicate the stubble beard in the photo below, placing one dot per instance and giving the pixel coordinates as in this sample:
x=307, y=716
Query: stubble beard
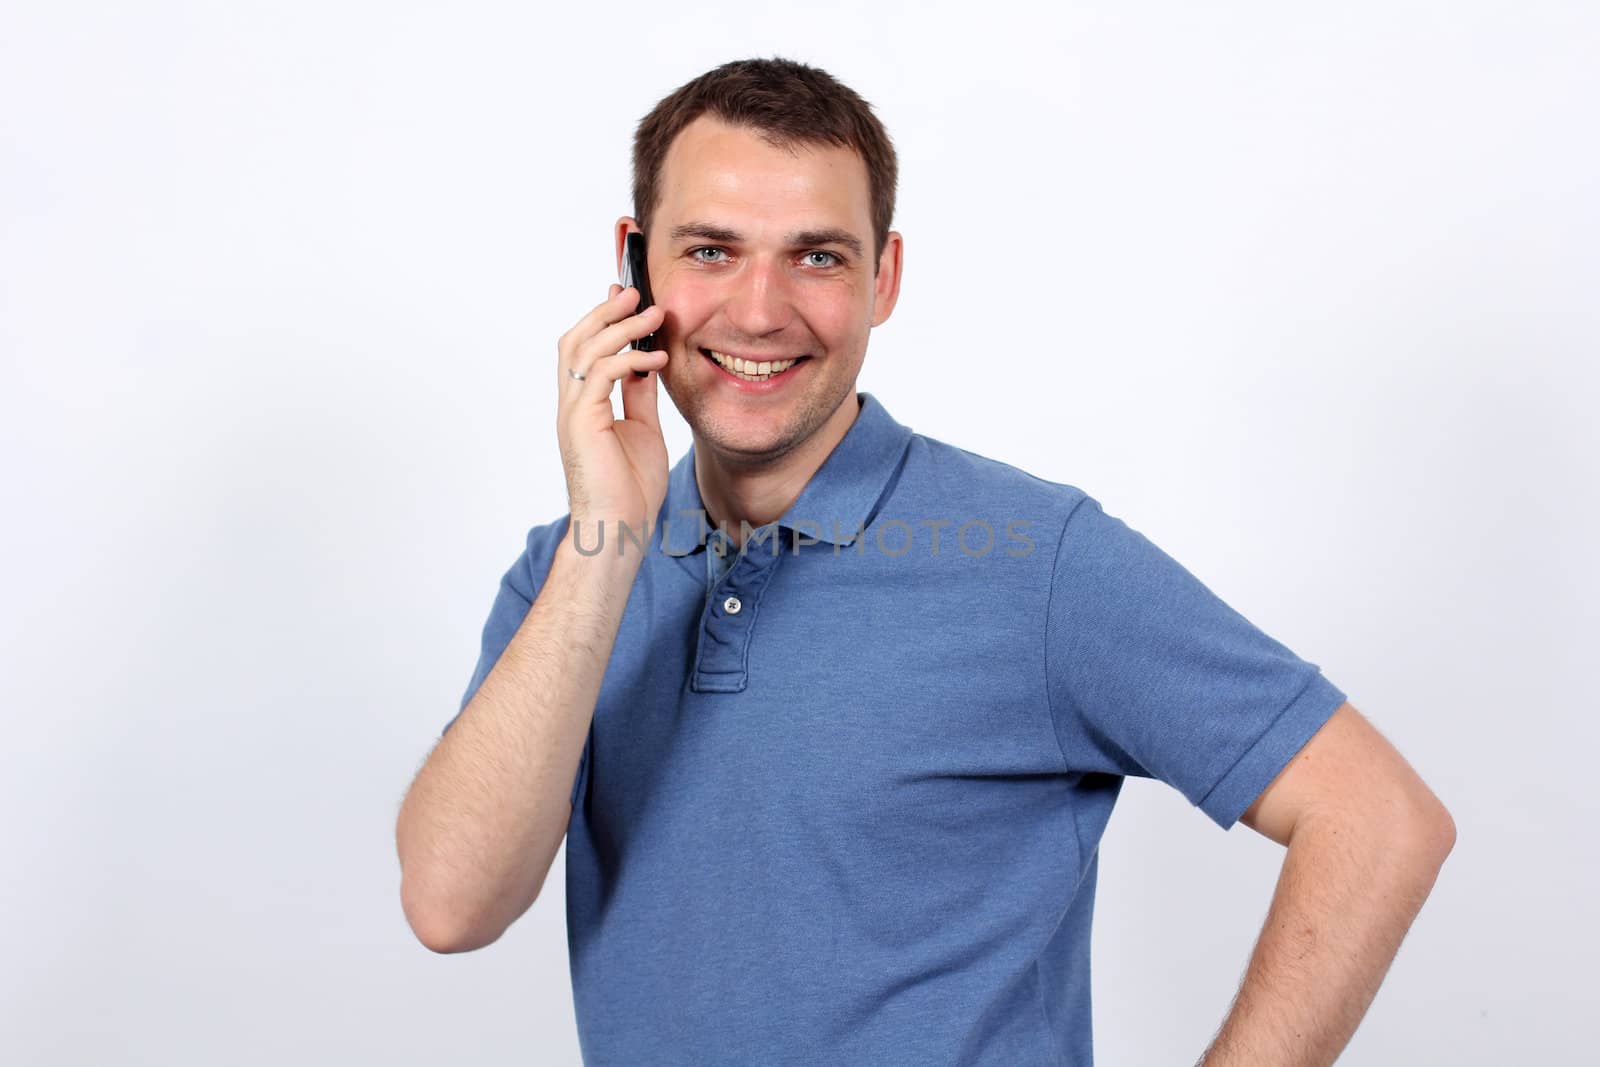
x=734, y=452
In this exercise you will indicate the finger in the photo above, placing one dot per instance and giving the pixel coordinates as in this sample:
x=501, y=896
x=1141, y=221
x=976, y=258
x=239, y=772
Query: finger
x=639, y=399
x=615, y=306
x=606, y=371
x=572, y=342
x=616, y=336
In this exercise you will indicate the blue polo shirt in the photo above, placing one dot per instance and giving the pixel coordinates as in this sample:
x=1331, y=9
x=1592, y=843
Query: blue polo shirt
x=843, y=791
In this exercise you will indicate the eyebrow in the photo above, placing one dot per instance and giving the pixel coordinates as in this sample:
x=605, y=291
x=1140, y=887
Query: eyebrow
x=807, y=238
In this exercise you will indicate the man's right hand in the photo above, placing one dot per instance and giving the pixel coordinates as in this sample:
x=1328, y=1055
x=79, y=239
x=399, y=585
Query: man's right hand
x=616, y=468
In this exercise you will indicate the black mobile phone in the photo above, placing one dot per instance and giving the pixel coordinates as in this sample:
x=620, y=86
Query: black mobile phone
x=633, y=273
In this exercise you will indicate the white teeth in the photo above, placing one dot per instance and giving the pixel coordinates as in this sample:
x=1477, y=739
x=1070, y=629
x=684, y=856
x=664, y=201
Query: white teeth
x=749, y=369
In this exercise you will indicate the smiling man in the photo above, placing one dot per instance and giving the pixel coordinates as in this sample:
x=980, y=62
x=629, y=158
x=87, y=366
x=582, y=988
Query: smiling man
x=766, y=261
x=832, y=715
x=771, y=253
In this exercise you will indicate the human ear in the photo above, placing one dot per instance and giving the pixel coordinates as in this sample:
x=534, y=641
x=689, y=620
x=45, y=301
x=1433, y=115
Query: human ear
x=625, y=225
x=886, y=284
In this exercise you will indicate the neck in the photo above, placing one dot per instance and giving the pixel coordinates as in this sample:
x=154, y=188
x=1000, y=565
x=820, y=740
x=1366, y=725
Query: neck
x=759, y=494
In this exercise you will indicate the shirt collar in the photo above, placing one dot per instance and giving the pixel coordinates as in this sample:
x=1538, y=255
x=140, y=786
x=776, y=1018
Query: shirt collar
x=835, y=504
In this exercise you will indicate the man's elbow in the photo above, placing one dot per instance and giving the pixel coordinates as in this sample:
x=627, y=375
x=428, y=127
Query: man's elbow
x=1444, y=832
x=439, y=929
x=1430, y=830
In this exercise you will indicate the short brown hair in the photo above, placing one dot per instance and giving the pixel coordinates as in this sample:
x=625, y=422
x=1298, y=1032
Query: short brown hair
x=788, y=103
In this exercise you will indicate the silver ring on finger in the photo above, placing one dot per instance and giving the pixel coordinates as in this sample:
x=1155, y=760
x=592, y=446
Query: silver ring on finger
x=575, y=375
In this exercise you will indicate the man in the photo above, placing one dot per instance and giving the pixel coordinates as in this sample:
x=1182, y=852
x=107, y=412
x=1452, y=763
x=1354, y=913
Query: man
x=832, y=715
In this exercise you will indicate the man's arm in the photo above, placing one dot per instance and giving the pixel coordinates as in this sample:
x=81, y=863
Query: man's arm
x=1366, y=839
x=486, y=815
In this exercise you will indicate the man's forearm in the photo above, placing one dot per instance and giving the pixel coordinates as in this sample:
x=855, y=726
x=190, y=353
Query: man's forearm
x=486, y=815
x=1348, y=892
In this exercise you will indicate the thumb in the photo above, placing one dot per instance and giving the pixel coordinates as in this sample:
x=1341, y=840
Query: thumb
x=639, y=400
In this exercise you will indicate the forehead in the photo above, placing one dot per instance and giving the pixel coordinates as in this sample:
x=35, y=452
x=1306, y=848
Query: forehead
x=713, y=168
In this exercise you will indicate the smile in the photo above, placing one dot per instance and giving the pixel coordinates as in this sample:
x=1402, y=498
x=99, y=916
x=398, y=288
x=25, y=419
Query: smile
x=751, y=370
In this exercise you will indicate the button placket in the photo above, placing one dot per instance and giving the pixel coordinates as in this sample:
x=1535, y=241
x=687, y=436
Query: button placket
x=728, y=621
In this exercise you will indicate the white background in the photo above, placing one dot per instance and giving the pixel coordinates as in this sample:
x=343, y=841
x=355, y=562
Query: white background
x=1305, y=294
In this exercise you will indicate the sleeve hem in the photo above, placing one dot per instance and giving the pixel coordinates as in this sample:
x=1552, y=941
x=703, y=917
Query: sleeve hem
x=1255, y=770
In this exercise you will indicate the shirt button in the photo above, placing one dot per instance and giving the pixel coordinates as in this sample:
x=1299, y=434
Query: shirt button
x=732, y=605
x=719, y=548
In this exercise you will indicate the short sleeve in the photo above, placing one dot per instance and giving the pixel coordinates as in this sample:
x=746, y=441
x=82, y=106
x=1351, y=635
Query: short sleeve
x=519, y=587
x=1151, y=674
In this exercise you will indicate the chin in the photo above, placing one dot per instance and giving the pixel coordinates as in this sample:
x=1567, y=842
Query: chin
x=745, y=449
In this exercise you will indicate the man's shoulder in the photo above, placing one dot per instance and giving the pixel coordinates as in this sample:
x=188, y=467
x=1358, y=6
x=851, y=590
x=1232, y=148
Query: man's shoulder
x=950, y=471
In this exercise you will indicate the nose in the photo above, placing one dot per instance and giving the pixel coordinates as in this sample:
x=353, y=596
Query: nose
x=760, y=302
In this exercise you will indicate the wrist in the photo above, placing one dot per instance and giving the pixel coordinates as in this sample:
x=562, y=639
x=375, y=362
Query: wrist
x=606, y=551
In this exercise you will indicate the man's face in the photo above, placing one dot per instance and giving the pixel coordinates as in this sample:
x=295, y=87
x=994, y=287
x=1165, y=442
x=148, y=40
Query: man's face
x=764, y=254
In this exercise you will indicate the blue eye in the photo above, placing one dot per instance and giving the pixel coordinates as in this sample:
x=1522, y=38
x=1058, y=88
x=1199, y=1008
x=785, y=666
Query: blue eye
x=696, y=253
x=831, y=258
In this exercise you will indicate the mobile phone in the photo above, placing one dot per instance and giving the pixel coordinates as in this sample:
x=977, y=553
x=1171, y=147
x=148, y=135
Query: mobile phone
x=633, y=273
